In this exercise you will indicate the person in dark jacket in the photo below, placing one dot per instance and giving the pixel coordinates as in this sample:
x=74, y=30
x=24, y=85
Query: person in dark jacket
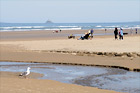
x=86, y=36
x=116, y=33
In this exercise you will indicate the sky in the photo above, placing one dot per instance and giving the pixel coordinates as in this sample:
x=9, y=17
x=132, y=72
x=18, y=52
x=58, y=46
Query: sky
x=69, y=11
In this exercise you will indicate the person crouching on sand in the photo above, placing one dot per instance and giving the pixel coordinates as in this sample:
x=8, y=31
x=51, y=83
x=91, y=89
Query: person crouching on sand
x=86, y=36
x=116, y=33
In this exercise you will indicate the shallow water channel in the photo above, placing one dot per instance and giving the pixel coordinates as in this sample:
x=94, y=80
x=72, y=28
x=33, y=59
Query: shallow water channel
x=101, y=77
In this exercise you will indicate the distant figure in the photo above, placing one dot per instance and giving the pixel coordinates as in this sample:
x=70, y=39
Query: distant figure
x=105, y=30
x=136, y=30
x=131, y=31
x=91, y=33
x=26, y=73
x=71, y=36
x=56, y=31
x=116, y=33
x=121, y=34
x=60, y=30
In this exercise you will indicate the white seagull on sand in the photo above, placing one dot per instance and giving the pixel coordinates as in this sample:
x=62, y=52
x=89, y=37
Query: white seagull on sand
x=26, y=73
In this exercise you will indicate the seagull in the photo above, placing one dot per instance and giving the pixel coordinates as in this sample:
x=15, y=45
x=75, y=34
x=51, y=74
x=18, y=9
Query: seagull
x=26, y=73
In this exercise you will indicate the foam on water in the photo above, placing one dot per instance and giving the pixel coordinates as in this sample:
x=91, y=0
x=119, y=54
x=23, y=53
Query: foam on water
x=65, y=26
x=98, y=26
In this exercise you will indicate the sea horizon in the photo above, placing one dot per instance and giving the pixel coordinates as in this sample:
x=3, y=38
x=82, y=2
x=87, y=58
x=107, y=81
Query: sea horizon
x=76, y=22
x=66, y=26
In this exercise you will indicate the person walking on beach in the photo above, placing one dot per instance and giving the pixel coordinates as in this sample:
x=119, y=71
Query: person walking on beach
x=136, y=30
x=105, y=30
x=116, y=33
x=60, y=30
x=121, y=34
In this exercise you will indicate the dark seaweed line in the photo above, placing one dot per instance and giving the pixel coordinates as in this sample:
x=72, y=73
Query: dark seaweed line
x=82, y=53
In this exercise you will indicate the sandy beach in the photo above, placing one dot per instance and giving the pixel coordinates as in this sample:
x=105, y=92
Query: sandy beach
x=45, y=46
x=10, y=83
x=69, y=46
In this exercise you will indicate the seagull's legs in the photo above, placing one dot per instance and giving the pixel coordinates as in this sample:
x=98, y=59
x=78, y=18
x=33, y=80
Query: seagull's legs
x=25, y=77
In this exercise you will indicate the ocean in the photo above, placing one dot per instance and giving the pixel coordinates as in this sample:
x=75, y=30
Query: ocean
x=65, y=26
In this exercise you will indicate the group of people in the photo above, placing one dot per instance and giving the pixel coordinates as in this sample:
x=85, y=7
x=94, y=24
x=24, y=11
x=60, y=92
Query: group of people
x=56, y=31
x=120, y=34
x=87, y=35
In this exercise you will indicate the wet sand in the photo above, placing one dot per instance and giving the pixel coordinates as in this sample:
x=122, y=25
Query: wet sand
x=91, y=76
x=69, y=59
x=10, y=83
x=43, y=46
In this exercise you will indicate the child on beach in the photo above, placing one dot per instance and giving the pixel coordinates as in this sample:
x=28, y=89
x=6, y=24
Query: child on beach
x=121, y=34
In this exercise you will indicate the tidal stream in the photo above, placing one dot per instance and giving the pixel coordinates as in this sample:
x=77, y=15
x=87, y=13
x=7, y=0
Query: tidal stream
x=101, y=77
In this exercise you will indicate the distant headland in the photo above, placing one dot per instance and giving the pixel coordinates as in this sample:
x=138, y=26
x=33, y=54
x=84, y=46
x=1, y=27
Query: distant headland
x=49, y=21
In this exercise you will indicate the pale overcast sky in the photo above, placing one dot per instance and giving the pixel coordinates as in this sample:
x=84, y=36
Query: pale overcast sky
x=69, y=11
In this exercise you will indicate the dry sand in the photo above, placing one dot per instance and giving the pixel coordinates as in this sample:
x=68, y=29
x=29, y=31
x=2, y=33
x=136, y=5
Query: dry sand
x=65, y=51
x=37, y=47
x=129, y=44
